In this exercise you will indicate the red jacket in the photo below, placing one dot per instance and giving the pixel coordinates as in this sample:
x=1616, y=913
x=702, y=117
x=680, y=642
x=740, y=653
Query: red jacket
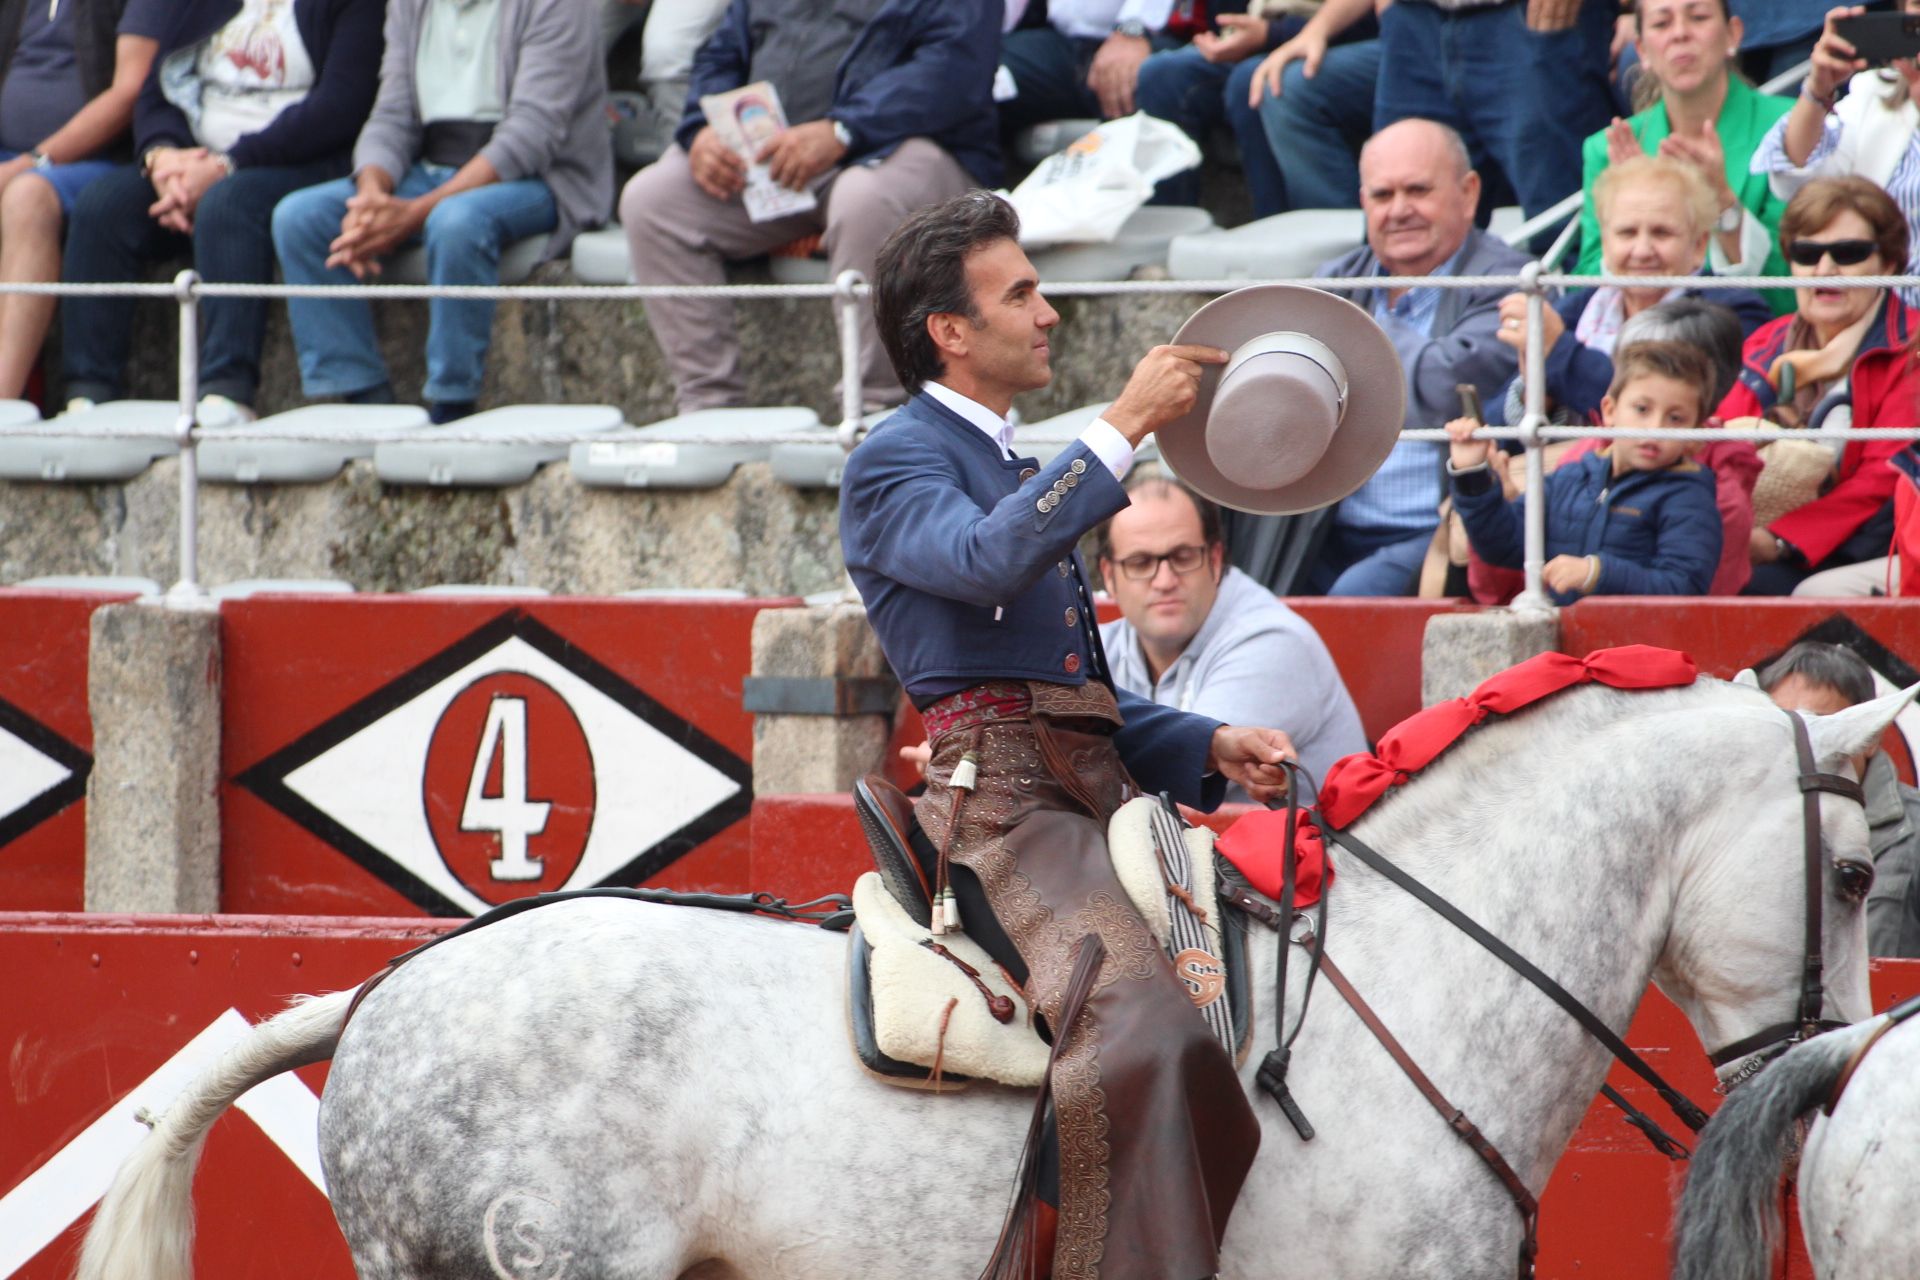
x=1885, y=393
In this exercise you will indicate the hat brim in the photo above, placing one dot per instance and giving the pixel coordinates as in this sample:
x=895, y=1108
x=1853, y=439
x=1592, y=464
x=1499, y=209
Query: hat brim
x=1376, y=396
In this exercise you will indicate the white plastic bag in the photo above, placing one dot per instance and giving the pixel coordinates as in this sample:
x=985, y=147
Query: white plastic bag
x=1085, y=193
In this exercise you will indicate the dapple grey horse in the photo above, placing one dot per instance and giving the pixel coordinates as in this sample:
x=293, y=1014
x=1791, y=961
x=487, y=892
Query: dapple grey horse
x=1859, y=1178
x=643, y=1092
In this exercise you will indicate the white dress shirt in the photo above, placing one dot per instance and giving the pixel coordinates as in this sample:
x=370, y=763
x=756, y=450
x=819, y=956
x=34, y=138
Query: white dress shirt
x=1101, y=436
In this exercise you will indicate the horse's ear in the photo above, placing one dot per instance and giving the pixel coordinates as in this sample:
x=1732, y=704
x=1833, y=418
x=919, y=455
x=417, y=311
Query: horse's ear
x=1857, y=729
x=1746, y=677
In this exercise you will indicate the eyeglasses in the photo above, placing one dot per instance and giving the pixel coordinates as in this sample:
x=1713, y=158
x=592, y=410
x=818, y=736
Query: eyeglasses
x=1141, y=567
x=1845, y=253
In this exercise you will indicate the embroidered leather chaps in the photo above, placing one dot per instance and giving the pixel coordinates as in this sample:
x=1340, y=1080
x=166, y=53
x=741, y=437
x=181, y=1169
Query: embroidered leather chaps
x=1155, y=1133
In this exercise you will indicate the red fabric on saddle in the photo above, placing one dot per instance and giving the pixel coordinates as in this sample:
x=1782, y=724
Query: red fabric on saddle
x=1253, y=844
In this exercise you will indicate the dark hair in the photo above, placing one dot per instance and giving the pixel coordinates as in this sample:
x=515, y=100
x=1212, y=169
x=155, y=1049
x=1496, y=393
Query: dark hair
x=922, y=271
x=1160, y=486
x=1681, y=361
x=1824, y=199
x=1707, y=325
x=1833, y=665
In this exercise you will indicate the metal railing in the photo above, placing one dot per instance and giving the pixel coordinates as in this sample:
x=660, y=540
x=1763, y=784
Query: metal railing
x=847, y=293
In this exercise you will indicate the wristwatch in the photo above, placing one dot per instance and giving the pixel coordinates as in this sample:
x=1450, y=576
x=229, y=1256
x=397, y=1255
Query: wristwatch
x=842, y=135
x=41, y=160
x=1785, y=551
x=1730, y=218
x=1131, y=27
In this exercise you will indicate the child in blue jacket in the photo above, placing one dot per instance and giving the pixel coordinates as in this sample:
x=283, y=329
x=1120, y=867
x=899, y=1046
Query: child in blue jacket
x=1635, y=518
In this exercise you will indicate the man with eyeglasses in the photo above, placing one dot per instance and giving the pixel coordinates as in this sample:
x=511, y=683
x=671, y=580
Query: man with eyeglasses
x=1205, y=638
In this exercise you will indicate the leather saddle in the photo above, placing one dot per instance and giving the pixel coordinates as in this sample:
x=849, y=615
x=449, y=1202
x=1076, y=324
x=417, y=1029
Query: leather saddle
x=935, y=995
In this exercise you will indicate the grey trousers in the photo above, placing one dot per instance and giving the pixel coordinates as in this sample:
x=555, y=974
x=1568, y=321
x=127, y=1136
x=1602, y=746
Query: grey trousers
x=678, y=234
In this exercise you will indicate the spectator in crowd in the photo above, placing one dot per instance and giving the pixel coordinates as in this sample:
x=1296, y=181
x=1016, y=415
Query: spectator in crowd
x=1873, y=132
x=1315, y=98
x=489, y=127
x=1821, y=679
x=1735, y=464
x=249, y=100
x=1206, y=638
x=1419, y=194
x=674, y=32
x=68, y=78
x=1524, y=81
x=1635, y=518
x=1208, y=82
x=1085, y=60
x=883, y=119
x=1840, y=346
x=1706, y=117
x=1655, y=217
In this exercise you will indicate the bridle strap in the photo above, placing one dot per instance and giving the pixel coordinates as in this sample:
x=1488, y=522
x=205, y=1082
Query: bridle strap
x=1690, y=1114
x=1808, y=1022
x=1469, y=1132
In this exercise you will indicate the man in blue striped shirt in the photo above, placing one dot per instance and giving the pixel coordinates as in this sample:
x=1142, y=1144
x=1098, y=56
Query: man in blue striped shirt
x=1419, y=192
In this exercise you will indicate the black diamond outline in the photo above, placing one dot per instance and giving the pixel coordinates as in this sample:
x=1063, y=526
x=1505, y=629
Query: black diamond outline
x=55, y=798
x=266, y=778
x=1841, y=629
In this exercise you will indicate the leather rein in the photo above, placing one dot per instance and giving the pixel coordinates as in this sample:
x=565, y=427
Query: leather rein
x=1763, y=1045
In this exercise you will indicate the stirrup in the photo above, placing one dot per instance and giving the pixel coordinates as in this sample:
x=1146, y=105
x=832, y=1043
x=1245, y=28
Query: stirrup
x=886, y=817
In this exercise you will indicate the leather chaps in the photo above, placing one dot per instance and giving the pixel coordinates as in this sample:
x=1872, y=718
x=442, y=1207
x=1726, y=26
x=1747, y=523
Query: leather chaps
x=1155, y=1135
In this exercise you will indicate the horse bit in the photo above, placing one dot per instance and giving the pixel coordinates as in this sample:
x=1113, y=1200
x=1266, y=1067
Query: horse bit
x=1762, y=1046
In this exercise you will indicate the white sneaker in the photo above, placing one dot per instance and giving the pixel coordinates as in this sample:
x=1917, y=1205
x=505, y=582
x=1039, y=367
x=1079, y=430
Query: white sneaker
x=219, y=411
x=79, y=404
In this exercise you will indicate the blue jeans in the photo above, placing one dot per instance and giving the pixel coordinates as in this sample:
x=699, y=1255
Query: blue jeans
x=1370, y=562
x=111, y=237
x=465, y=234
x=1316, y=127
x=1523, y=101
x=1181, y=86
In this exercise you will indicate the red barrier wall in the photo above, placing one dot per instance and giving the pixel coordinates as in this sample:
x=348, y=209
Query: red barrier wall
x=46, y=745
x=397, y=755
x=97, y=1004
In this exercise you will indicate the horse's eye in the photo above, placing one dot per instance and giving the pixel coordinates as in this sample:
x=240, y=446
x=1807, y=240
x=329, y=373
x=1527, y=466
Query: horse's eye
x=1852, y=879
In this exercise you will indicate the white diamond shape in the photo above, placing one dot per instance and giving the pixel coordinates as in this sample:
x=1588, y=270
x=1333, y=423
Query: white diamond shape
x=646, y=785
x=26, y=773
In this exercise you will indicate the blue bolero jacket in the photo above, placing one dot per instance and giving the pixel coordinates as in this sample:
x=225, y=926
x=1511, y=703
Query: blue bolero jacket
x=967, y=565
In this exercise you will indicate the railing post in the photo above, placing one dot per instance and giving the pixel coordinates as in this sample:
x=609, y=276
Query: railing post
x=186, y=290
x=1534, y=595
x=846, y=306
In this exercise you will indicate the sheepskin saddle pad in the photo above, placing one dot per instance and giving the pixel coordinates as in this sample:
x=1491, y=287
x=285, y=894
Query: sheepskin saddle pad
x=934, y=1011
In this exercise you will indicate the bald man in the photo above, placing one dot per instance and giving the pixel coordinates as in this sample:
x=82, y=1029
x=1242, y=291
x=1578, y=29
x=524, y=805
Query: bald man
x=1419, y=193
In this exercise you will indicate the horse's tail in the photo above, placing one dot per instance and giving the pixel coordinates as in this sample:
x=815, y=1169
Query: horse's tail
x=1729, y=1219
x=143, y=1229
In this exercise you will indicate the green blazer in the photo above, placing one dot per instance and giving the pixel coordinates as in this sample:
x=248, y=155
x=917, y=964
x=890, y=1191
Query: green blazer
x=1744, y=119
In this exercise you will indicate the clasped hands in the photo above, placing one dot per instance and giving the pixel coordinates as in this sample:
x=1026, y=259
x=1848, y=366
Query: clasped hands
x=181, y=176
x=376, y=223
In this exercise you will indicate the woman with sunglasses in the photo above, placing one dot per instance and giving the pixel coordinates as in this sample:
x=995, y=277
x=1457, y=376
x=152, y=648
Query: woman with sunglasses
x=1701, y=113
x=1873, y=131
x=1840, y=346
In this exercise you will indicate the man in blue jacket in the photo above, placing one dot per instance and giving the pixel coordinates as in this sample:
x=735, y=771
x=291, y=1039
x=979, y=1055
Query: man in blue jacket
x=964, y=554
x=889, y=106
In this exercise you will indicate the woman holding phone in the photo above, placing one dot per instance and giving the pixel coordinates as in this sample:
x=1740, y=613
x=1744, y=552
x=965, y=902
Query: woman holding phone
x=1870, y=131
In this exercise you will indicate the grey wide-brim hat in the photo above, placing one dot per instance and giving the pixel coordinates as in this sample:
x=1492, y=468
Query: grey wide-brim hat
x=1307, y=408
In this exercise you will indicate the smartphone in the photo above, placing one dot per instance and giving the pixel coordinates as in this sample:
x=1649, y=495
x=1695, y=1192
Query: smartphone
x=1470, y=401
x=1881, y=37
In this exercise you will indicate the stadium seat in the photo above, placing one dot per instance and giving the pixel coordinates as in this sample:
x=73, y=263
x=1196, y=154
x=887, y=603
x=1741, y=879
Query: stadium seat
x=600, y=257
x=486, y=464
x=295, y=461
x=1034, y=144
x=88, y=451
x=477, y=589
x=1046, y=438
x=1505, y=220
x=817, y=466
x=1284, y=246
x=18, y=413
x=683, y=593
x=692, y=451
x=409, y=266
x=1144, y=241
x=105, y=583
x=246, y=588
